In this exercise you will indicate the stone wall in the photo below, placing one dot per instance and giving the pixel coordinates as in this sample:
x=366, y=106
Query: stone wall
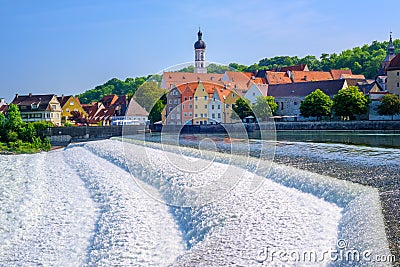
x=66, y=135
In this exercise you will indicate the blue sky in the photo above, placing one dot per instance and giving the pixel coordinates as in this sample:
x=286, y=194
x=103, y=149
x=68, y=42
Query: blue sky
x=50, y=46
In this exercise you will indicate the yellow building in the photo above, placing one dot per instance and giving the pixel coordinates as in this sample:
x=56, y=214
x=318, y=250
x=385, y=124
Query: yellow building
x=201, y=100
x=229, y=101
x=68, y=105
x=393, y=76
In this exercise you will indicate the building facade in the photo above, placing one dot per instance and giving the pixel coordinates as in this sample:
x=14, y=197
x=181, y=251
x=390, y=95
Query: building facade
x=39, y=108
x=393, y=76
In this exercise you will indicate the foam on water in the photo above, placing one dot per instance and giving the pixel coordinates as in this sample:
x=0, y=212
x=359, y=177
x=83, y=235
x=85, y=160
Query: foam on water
x=101, y=203
x=214, y=218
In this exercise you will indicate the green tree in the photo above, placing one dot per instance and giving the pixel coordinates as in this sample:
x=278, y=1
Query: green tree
x=390, y=105
x=264, y=107
x=155, y=113
x=350, y=102
x=13, y=121
x=148, y=94
x=242, y=108
x=317, y=104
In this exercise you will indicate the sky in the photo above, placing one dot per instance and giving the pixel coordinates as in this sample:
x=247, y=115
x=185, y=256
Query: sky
x=66, y=47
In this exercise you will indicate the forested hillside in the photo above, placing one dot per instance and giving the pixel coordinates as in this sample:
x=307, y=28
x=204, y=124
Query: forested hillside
x=361, y=60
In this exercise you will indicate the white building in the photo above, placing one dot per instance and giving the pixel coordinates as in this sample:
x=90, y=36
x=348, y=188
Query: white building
x=255, y=91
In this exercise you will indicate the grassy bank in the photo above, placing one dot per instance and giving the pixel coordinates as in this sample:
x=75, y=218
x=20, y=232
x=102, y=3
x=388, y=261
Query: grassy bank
x=20, y=147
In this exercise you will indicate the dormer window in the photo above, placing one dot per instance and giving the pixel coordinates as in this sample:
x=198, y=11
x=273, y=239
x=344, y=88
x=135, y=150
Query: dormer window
x=34, y=106
x=54, y=107
x=71, y=103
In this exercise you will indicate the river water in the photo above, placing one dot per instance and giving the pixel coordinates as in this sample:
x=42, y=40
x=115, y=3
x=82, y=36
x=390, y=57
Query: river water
x=122, y=203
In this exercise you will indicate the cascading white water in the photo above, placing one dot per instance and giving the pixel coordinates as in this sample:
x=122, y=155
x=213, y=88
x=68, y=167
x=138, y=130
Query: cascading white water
x=114, y=200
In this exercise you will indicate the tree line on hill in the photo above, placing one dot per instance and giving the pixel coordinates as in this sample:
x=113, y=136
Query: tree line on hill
x=364, y=60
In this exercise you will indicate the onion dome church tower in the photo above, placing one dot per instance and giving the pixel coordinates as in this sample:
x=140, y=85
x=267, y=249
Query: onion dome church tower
x=389, y=54
x=200, y=54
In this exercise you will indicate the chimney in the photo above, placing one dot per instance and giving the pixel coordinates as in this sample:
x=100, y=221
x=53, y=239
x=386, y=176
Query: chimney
x=30, y=94
x=62, y=96
x=16, y=95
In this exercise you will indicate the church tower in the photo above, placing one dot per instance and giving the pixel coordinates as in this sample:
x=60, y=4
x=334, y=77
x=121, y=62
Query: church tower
x=200, y=54
x=389, y=54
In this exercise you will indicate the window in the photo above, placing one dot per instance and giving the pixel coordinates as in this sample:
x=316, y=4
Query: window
x=219, y=106
x=67, y=110
x=282, y=105
x=205, y=106
x=185, y=114
x=254, y=94
x=58, y=115
x=398, y=84
x=185, y=98
x=183, y=107
x=219, y=115
x=227, y=105
x=212, y=106
x=205, y=97
x=295, y=103
x=195, y=98
x=195, y=115
x=213, y=116
x=170, y=101
x=53, y=106
x=75, y=109
x=190, y=114
x=398, y=73
x=190, y=106
x=233, y=95
x=175, y=101
x=195, y=106
x=71, y=103
x=201, y=115
x=172, y=116
x=170, y=109
x=190, y=98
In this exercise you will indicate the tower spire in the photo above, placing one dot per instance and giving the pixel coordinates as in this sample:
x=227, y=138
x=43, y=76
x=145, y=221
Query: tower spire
x=200, y=54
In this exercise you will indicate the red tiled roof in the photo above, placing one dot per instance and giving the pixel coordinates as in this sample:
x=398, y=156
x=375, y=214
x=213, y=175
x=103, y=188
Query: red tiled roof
x=63, y=99
x=336, y=74
x=178, y=78
x=109, y=100
x=210, y=87
x=395, y=63
x=238, y=80
x=352, y=76
x=3, y=108
x=302, y=89
x=27, y=100
x=277, y=77
x=308, y=76
x=301, y=67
